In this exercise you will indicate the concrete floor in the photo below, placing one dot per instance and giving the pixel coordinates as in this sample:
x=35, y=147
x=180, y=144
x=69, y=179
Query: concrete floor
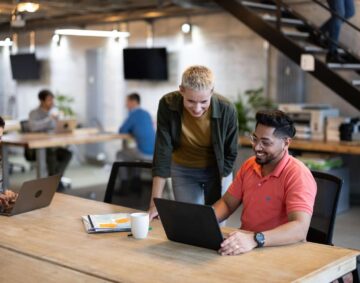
x=90, y=181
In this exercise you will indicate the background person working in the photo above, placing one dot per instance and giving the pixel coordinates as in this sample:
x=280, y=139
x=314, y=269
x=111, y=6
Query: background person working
x=277, y=191
x=332, y=27
x=42, y=120
x=196, y=140
x=140, y=126
x=7, y=197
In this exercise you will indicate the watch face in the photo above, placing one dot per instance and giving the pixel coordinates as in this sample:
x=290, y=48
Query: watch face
x=260, y=239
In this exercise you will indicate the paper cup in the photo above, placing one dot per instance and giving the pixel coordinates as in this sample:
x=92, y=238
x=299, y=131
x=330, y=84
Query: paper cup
x=139, y=225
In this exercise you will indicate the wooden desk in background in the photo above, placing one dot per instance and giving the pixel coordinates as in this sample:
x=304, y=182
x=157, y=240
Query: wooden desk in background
x=12, y=126
x=41, y=141
x=55, y=234
x=342, y=147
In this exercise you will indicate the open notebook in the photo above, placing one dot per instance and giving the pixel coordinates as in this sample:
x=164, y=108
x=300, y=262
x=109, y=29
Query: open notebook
x=103, y=223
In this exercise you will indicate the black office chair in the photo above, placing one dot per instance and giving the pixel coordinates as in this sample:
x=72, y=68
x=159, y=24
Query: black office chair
x=30, y=154
x=130, y=184
x=324, y=214
x=13, y=166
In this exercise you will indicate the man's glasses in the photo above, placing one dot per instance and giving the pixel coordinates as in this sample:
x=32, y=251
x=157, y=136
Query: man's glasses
x=263, y=143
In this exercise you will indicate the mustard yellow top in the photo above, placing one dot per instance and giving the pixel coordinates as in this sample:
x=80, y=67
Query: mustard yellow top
x=195, y=150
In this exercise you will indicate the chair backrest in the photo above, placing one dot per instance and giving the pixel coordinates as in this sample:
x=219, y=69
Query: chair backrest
x=130, y=184
x=30, y=154
x=24, y=126
x=326, y=201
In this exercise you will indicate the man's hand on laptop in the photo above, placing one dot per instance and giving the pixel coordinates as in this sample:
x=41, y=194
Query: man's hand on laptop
x=7, y=200
x=238, y=242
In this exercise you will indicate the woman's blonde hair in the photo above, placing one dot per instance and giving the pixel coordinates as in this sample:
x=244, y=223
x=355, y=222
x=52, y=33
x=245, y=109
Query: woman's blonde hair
x=198, y=78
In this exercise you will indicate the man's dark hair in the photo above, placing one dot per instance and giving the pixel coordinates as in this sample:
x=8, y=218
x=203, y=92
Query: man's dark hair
x=284, y=126
x=134, y=96
x=2, y=122
x=43, y=94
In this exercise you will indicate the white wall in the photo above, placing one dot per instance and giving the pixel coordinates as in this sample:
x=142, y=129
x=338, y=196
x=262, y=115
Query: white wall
x=219, y=41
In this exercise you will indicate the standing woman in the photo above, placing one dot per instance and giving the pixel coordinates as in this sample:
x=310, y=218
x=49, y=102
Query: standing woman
x=196, y=141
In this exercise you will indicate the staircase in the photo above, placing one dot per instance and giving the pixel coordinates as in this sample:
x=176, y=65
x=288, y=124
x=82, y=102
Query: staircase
x=277, y=24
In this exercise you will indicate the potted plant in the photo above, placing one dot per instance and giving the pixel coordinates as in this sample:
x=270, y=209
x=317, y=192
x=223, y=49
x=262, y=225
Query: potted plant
x=247, y=105
x=64, y=105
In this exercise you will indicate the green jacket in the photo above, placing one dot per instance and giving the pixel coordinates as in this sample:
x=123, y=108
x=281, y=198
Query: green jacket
x=224, y=133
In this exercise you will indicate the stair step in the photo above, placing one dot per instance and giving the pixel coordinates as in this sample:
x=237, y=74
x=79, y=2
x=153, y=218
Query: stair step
x=347, y=66
x=288, y=21
x=356, y=82
x=297, y=34
x=259, y=5
x=317, y=49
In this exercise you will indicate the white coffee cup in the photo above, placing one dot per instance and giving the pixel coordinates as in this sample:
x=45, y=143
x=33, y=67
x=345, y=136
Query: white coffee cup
x=139, y=224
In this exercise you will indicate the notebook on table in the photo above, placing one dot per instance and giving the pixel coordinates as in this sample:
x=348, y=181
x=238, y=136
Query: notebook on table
x=104, y=223
x=188, y=223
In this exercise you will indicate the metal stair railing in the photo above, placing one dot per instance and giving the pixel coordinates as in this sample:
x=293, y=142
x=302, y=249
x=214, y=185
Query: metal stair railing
x=322, y=72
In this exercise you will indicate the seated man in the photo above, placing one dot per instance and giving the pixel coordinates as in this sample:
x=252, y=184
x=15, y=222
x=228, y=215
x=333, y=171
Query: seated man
x=42, y=120
x=277, y=191
x=7, y=197
x=140, y=126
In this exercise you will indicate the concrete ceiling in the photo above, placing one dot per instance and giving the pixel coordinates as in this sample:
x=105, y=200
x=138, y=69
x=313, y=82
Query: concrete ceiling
x=79, y=13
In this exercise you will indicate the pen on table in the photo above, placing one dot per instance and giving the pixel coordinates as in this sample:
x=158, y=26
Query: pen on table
x=130, y=235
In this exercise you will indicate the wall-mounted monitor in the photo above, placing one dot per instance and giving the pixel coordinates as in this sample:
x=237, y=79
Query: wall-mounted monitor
x=145, y=64
x=25, y=66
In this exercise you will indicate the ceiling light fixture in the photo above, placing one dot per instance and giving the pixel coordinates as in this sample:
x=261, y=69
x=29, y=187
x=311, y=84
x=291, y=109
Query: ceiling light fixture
x=6, y=42
x=27, y=7
x=186, y=28
x=95, y=33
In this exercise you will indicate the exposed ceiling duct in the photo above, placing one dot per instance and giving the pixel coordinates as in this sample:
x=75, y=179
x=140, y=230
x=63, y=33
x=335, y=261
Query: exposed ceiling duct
x=70, y=13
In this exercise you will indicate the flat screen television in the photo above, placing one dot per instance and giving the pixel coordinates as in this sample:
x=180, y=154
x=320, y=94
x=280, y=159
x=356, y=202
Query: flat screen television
x=25, y=66
x=145, y=64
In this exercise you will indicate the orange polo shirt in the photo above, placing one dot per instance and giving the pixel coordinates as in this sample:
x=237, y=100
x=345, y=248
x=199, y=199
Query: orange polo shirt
x=268, y=200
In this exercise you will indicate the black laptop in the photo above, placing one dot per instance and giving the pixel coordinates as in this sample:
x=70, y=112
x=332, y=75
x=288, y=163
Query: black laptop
x=188, y=223
x=35, y=194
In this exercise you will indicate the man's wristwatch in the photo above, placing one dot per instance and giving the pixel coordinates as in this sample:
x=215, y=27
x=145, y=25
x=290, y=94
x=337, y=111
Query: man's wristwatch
x=259, y=239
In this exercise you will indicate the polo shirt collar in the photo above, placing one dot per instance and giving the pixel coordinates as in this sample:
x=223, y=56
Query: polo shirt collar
x=278, y=169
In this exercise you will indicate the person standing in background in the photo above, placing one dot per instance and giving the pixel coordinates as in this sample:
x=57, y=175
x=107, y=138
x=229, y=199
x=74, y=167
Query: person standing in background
x=345, y=9
x=140, y=126
x=196, y=140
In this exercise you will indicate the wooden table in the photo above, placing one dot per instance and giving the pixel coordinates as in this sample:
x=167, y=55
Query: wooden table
x=41, y=141
x=55, y=234
x=343, y=147
x=19, y=268
x=12, y=126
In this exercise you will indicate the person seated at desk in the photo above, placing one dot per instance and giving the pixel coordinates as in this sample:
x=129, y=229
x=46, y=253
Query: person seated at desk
x=7, y=197
x=42, y=119
x=140, y=126
x=277, y=191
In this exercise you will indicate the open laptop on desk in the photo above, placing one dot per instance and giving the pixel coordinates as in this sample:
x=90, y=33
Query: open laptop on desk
x=65, y=126
x=35, y=194
x=188, y=223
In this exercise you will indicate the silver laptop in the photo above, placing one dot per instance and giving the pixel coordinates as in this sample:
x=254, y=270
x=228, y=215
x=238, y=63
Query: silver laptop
x=65, y=126
x=35, y=194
